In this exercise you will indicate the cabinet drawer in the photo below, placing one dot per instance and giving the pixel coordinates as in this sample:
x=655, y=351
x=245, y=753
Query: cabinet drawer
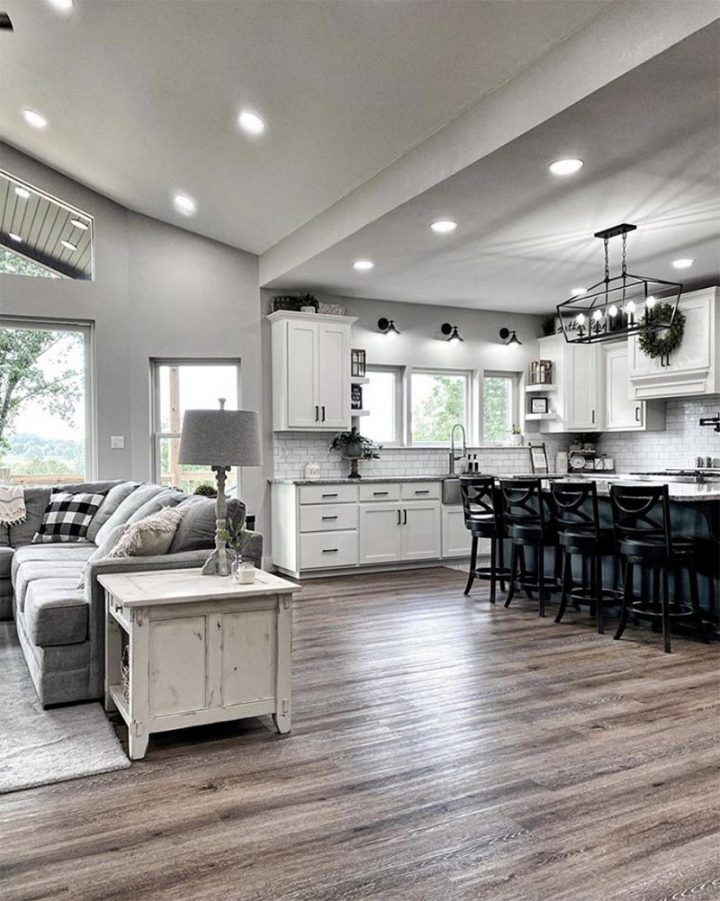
x=380, y=491
x=328, y=517
x=320, y=550
x=328, y=494
x=420, y=491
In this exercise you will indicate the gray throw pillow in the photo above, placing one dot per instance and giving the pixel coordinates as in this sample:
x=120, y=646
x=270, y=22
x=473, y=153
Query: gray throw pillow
x=103, y=550
x=88, y=487
x=115, y=496
x=133, y=502
x=196, y=532
x=170, y=497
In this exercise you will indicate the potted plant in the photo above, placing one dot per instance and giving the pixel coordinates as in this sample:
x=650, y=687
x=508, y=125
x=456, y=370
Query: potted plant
x=355, y=447
x=234, y=536
x=516, y=438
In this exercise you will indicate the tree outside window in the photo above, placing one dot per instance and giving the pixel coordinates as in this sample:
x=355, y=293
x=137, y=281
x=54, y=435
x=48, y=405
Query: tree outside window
x=498, y=408
x=439, y=401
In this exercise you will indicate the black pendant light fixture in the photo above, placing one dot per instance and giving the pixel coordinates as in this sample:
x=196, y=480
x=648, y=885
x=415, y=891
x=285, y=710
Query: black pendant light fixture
x=451, y=331
x=619, y=306
x=387, y=327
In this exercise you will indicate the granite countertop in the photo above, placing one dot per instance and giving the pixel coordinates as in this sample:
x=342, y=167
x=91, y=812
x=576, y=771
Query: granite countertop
x=678, y=491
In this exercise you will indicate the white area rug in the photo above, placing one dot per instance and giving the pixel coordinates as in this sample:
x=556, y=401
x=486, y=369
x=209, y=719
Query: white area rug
x=39, y=746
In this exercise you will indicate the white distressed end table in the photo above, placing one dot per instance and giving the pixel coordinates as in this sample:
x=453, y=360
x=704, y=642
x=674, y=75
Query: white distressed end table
x=202, y=649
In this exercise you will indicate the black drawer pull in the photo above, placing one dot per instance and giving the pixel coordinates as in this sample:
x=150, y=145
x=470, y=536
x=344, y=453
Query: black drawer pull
x=330, y=550
x=380, y=493
x=331, y=495
x=422, y=491
x=329, y=517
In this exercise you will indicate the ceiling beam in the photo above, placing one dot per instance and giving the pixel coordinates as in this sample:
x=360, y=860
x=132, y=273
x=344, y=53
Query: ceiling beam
x=614, y=43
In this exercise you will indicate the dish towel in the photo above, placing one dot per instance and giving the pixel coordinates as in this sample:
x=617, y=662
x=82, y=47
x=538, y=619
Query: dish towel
x=12, y=505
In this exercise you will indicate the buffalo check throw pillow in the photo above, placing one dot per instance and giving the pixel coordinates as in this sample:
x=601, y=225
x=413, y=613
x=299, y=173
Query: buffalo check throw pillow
x=67, y=517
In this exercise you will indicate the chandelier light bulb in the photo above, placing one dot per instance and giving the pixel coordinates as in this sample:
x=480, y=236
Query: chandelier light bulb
x=613, y=310
x=597, y=315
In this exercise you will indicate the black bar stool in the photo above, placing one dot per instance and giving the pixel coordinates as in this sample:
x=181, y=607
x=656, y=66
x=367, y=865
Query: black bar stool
x=482, y=506
x=641, y=521
x=529, y=523
x=578, y=521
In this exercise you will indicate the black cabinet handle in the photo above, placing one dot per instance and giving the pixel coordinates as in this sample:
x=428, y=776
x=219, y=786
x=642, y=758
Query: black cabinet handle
x=399, y=522
x=328, y=517
x=637, y=414
x=330, y=550
x=333, y=494
x=317, y=412
x=422, y=491
x=593, y=416
x=405, y=517
x=380, y=493
x=323, y=409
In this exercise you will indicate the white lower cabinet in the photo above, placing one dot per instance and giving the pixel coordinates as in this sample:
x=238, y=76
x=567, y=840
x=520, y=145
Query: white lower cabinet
x=329, y=527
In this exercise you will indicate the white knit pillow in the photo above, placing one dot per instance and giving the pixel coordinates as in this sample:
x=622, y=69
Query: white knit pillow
x=150, y=536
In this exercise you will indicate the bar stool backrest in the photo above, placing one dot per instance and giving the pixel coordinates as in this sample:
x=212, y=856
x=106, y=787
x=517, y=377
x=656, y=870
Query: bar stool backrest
x=481, y=500
x=523, y=503
x=576, y=507
x=641, y=513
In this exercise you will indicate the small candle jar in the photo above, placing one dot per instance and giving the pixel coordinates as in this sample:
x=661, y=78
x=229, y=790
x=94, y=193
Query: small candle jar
x=243, y=572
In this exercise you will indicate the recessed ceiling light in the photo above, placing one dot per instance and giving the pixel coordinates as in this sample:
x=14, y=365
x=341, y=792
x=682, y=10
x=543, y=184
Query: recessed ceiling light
x=251, y=123
x=566, y=167
x=443, y=226
x=33, y=118
x=363, y=265
x=69, y=245
x=63, y=5
x=576, y=292
x=14, y=236
x=23, y=193
x=184, y=204
x=78, y=223
x=684, y=263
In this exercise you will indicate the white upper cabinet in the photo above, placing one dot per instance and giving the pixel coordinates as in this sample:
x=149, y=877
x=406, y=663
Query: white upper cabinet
x=578, y=399
x=622, y=412
x=311, y=371
x=695, y=367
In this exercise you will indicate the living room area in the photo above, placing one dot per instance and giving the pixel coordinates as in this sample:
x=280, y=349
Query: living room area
x=291, y=414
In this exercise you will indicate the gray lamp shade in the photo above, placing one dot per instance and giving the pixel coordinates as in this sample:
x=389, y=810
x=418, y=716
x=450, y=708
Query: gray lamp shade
x=221, y=438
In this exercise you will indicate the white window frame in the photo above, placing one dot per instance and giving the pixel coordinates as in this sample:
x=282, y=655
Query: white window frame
x=516, y=407
x=156, y=434
x=398, y=372
x=470, y=404
x=87, y=329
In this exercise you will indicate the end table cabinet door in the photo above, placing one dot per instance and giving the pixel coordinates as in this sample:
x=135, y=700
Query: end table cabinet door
x=178, y=665
x=249, y=658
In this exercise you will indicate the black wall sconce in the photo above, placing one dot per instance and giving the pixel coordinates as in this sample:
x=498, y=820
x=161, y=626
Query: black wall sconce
x=509, y=336
x=451, y=331
x=387, y=327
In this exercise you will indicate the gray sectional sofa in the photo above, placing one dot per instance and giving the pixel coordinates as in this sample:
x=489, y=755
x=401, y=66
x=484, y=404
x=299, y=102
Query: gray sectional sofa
x=61, y=625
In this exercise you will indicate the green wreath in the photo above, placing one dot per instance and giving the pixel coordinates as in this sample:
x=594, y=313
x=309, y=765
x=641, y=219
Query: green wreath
x=656, y=343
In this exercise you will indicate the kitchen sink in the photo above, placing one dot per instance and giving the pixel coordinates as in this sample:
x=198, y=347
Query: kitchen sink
x=451, y=490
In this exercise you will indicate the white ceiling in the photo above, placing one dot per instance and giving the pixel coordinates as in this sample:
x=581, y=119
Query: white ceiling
x=142, y=95
x=650, y=142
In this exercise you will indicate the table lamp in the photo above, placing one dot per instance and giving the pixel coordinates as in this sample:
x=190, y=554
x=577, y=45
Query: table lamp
x=220, y=439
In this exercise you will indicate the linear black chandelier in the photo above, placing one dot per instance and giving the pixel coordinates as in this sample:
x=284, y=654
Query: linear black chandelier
x=619, y=306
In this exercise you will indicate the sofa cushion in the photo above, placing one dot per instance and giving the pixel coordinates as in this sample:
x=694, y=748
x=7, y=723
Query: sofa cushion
x=67, y=517
x=196, y=531
x=89, y=487
x=115, y=496
x=102, y=550
x=50, y=554
x=44, y=569
x=133, y=502
x=169, y=497
x=36, y=500
x=4, y=535
x=55, y=612
x=6, y=558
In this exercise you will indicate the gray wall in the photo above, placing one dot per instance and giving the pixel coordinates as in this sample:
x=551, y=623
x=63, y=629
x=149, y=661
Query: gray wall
x=159, y=291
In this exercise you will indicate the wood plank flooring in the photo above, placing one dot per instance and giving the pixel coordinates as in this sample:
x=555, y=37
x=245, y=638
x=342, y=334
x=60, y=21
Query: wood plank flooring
x=441, y=749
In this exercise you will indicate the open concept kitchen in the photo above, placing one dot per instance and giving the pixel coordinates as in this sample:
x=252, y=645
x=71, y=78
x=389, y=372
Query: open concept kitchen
x=360, y=450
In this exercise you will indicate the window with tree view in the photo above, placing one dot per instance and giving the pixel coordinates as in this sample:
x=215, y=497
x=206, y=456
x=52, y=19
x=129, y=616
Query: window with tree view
x=439, y=400
x=44, y=390
x=382, y=397
x=180, y=385
x=499, y=407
